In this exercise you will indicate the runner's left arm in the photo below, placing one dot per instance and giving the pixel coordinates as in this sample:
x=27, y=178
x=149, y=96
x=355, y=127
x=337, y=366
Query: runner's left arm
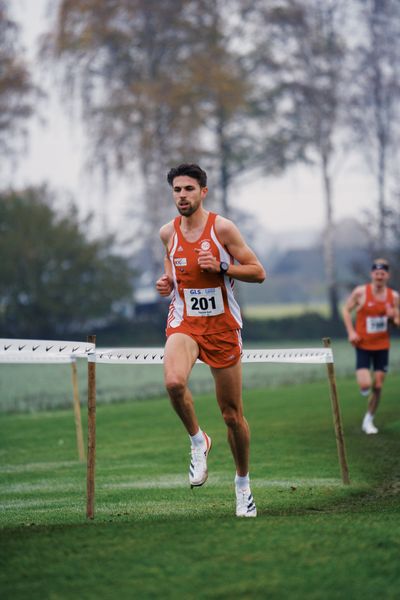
x=393, y=312
x=248, y=268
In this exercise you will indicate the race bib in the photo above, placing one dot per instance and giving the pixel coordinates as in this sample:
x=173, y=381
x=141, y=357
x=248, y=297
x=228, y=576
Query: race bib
x=204, y=302
x=376, y=324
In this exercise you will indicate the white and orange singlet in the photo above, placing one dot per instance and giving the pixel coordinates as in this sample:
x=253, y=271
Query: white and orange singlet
x=372, y=321
x=203, y=303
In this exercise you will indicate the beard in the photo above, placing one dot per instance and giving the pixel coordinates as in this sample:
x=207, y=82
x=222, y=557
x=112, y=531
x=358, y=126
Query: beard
x=187, y=211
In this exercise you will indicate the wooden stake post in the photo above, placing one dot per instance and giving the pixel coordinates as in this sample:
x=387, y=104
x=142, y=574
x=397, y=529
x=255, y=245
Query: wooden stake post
x=337, y=420
x=91, y=448
x=77, y=412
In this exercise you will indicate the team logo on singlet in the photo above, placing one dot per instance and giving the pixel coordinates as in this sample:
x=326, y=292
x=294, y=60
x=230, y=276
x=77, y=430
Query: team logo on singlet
x=205, y=245
x=180, y=249
x=180, y=262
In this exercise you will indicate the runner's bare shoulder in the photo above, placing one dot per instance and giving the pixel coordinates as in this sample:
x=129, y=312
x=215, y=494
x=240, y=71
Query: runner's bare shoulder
x=226, y=229
x=359, y=294
x=166, y=232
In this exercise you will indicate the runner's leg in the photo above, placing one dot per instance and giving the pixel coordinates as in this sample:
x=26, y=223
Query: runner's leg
x=181, y=352
x=228, y=386
x=375, y=397
x=364, y=380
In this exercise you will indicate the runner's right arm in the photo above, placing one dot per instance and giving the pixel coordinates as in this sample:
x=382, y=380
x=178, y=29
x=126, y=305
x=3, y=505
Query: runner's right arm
x=352, y=302
x=165, y=283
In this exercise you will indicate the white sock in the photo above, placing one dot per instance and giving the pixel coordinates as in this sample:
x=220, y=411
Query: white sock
x=242, y=483
x=366, y=392
x=368, y=417
x=197, y=439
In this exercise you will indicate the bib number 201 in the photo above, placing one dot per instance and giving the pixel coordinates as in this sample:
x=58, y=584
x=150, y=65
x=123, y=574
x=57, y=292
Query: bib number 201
x=204, y=302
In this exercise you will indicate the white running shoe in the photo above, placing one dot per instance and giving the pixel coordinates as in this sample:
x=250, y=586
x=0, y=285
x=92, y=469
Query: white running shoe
x=245, y=505
x=198, y=471
x=368, y=427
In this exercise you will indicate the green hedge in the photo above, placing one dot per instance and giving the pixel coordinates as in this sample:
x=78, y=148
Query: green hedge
x=151, y=332
x=302, y=327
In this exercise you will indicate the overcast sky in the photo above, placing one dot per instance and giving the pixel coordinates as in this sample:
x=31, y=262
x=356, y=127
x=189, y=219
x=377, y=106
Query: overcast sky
x=56, y=155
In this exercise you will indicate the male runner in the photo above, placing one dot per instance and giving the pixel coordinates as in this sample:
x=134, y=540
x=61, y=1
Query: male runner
x=376, y=305
x=204, y=320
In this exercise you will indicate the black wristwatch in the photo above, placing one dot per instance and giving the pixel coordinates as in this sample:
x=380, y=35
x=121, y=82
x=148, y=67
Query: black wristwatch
x=223, y=267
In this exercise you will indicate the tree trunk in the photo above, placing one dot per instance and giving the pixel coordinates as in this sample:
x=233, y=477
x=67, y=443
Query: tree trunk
x=381, y=198
x=329, y=251
x=380, y=129
x=223, y=161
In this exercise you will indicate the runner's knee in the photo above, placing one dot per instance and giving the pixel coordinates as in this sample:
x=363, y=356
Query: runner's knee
x=231, y=417
x=175, y=386
x=378, y=380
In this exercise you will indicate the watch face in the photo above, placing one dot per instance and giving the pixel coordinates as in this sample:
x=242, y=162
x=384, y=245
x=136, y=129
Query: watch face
x=224, y=267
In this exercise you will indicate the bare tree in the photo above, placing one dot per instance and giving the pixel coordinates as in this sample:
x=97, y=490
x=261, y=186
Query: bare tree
x=304, y=55
x=16, y=88
x=159, y=83
x=127, y=63
x=375, y=94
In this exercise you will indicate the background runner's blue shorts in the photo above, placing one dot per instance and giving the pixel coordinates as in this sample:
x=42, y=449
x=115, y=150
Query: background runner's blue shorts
x=378, y=358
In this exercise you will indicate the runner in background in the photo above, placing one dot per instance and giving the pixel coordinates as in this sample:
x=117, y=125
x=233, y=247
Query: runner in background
x=376, y=306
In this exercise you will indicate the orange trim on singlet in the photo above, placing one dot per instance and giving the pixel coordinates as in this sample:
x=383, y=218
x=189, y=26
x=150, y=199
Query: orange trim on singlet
x=372, y=322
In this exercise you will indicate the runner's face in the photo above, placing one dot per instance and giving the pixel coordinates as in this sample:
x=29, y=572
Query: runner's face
x=380, y=277
x=188, y=194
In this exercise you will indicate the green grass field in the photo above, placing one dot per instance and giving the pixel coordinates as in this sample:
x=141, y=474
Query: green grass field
x=153, y=537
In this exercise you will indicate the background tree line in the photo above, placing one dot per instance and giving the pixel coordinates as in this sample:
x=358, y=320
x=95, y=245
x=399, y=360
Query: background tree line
x=239, y=86
x=54, y=279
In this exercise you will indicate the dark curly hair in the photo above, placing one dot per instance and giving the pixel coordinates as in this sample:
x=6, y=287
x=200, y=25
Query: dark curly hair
x=191, y=170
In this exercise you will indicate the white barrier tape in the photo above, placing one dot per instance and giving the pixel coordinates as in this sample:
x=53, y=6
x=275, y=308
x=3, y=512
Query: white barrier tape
x=25, y=358
x=155, y=356
x=42, y=350
x=138, y=356
x=292, y=355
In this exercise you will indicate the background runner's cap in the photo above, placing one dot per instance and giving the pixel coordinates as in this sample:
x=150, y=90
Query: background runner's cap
x=378, y=265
